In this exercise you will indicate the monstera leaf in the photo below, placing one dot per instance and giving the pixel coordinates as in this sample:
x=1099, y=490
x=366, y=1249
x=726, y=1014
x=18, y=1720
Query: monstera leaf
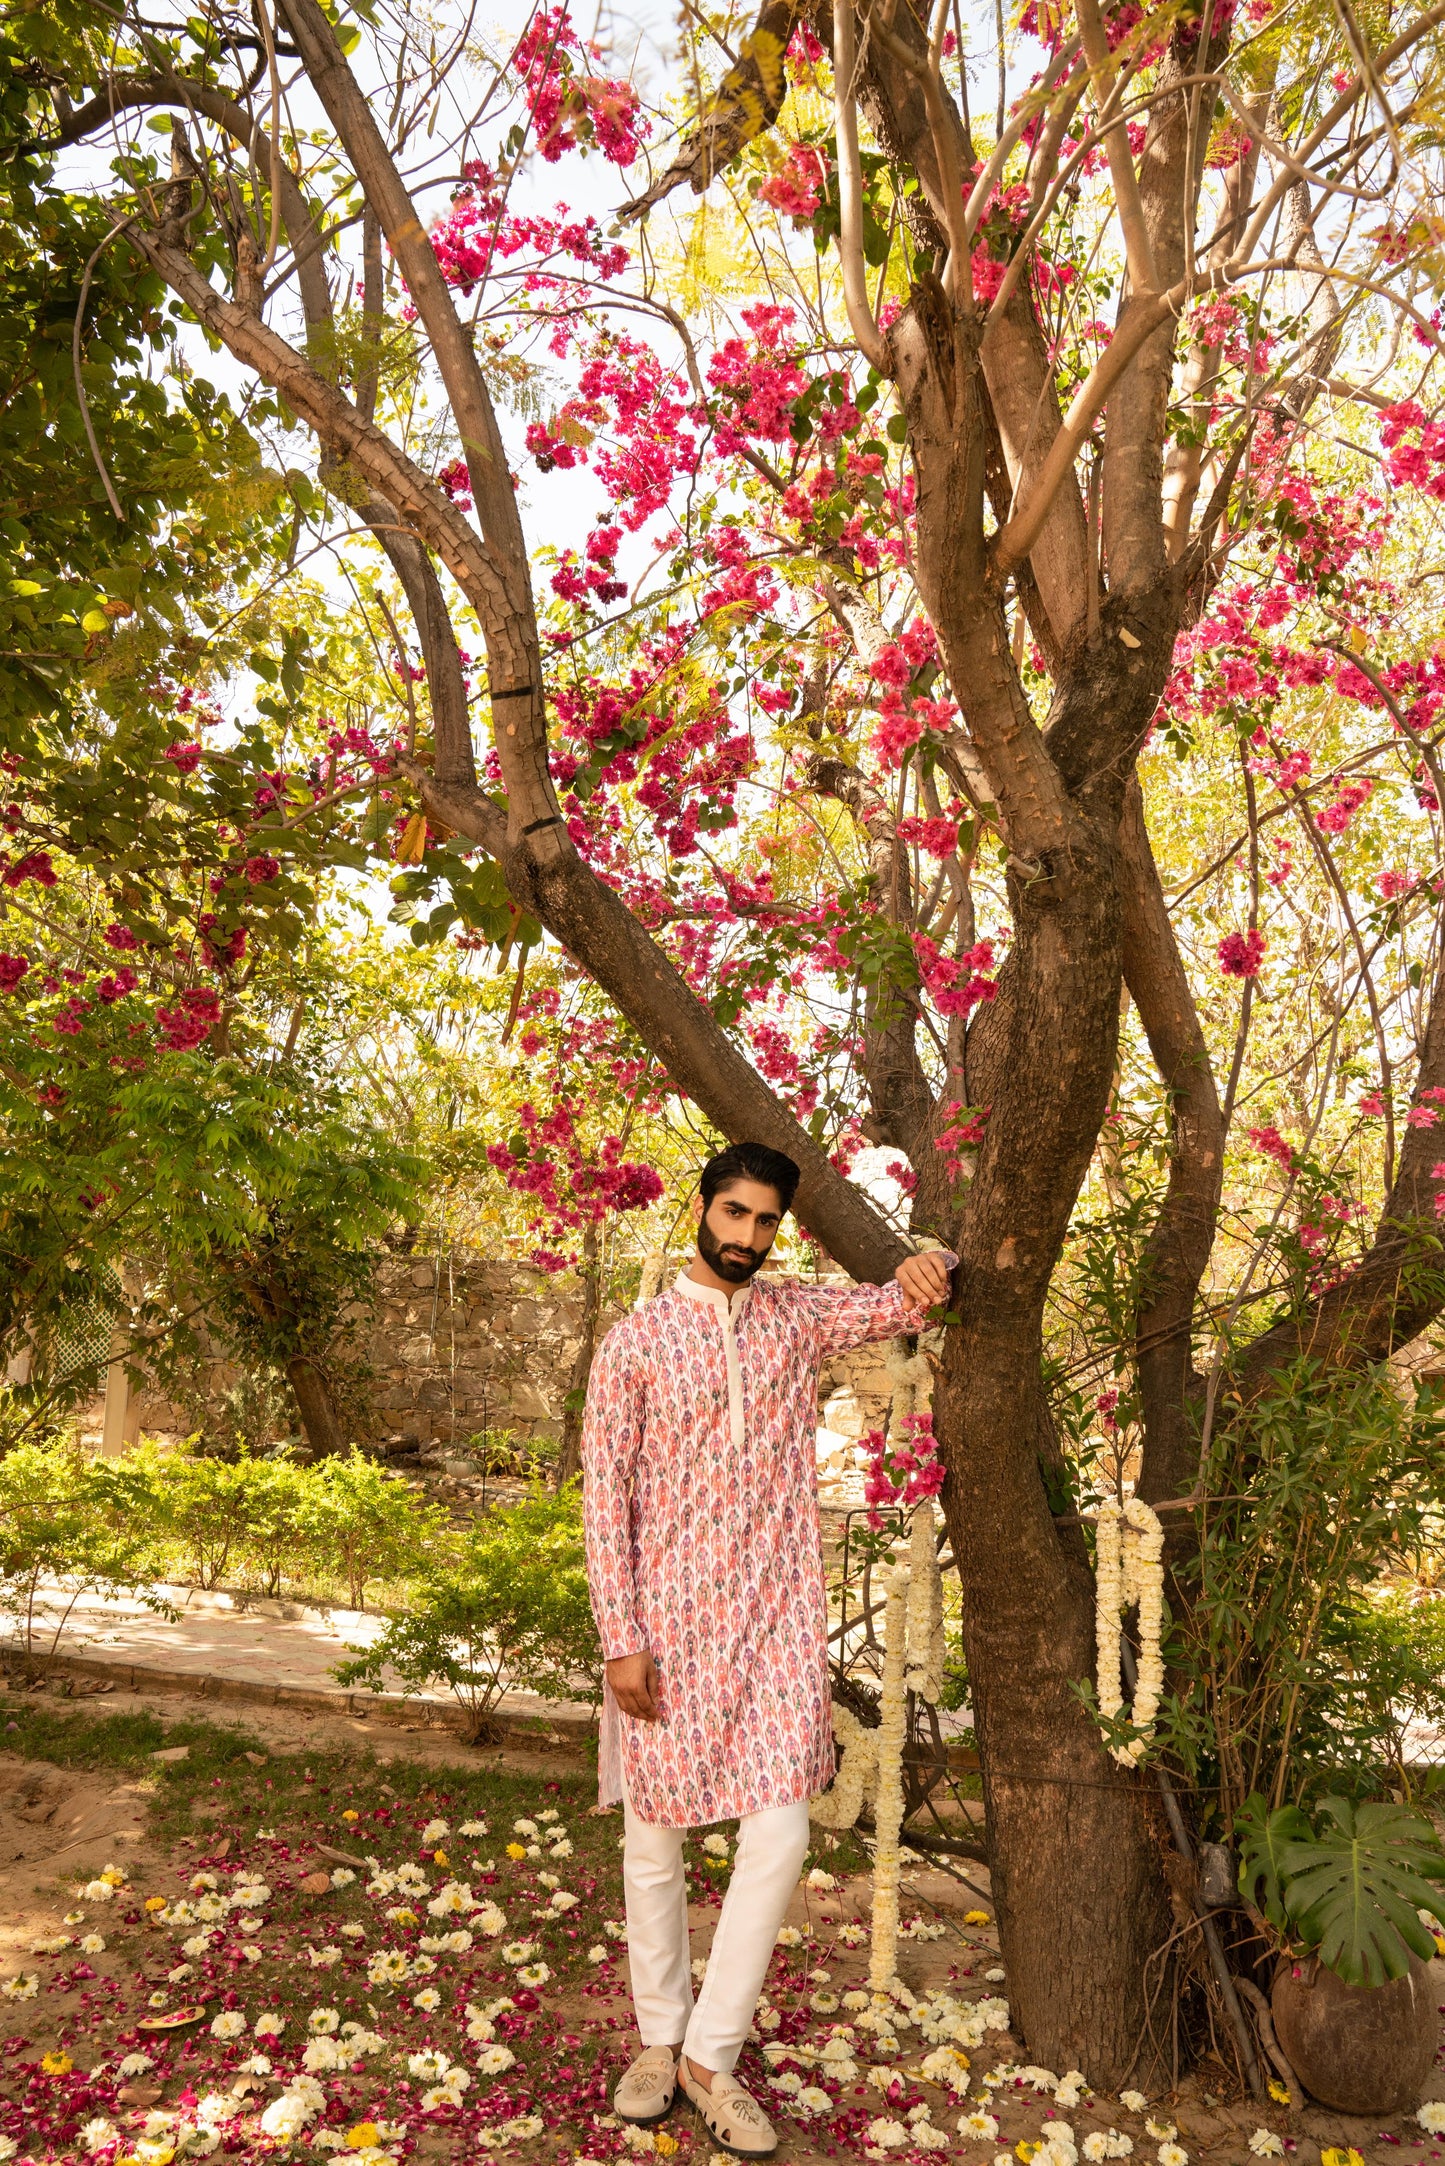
x=1262, y=1836
x=1353, y=1893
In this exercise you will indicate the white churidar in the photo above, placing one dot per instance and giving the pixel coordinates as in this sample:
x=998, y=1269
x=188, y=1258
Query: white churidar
x=769, y=1857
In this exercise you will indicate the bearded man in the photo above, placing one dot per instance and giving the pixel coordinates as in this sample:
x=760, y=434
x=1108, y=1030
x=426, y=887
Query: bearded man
x=705, y=1563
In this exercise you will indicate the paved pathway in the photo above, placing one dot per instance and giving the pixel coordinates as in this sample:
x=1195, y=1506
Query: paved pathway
x=229, y=1647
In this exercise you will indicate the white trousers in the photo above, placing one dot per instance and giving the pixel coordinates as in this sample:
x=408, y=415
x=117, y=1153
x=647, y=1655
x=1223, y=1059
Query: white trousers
x=770, y=1851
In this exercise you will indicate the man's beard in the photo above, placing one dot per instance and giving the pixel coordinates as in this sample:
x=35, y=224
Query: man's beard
x=731, y=1267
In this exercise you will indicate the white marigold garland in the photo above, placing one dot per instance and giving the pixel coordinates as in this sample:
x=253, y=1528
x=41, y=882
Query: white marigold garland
x=1129, y=1574
x=872, y=1763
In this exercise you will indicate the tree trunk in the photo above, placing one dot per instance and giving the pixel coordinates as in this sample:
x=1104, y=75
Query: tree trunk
x=325, y=1437
x=569, y=1461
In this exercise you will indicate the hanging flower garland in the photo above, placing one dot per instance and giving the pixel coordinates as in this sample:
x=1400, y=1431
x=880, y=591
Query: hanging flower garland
x=1129, y=1574
x=872, y=1763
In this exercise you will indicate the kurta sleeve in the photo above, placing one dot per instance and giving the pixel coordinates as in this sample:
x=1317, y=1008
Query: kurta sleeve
x=857, y=1315
x=612, y=1427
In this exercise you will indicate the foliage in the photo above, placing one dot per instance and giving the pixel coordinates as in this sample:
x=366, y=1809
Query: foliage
x=1355, y=1891
x=1314, y=1492
x=69, y=1525
x=360, y=1524
x=509, y=1608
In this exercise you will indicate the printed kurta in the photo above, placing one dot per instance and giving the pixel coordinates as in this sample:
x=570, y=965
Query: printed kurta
x=703, y=1544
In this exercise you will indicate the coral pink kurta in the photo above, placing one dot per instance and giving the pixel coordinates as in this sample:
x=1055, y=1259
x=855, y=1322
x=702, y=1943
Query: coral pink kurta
x=701, y=1505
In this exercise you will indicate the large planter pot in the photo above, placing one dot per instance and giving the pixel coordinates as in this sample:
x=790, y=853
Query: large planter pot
x=1361, y=2049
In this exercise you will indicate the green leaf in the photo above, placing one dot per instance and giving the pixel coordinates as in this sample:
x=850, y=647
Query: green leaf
x=1353, y=1893
x=1262, y=1836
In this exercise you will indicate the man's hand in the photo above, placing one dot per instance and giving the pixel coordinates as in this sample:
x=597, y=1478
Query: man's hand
x=924, y=1279
x=633, y=1679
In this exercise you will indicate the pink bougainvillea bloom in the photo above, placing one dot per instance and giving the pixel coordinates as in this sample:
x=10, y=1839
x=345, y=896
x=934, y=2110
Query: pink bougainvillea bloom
x=1240, y=954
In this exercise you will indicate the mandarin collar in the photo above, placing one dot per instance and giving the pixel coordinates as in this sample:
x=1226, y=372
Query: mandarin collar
x=730, y=1307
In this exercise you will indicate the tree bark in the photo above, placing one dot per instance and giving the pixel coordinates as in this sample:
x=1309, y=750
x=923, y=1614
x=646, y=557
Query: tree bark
x=569, y=1459
x=325, y=1437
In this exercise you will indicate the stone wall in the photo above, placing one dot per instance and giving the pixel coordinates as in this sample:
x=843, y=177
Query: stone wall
x=464, y=1346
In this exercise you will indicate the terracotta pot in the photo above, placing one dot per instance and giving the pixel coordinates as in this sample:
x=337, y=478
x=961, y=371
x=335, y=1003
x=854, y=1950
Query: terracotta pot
x=1361, y=2049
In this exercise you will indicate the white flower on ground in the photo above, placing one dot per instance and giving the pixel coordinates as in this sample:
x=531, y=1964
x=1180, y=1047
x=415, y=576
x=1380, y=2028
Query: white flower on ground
x=388, y=1967
x=716, y=1844
x=342, y=1877
x=981, y=2126
x=885, y=2135
x=269, y=2025
x=323, y=2056
x=473, y=1828
x=789, y=2083
x=1073, y=2087
x=813, y=2100
x=562, y=1900
x=614, y=1929
x=229, y=2024
x=1161, y=2131
x=852, y=1934
x=428, y=2065
x=435, y=1831
x=97, y=2134
x=93, y=1944
x=560, y=1849
x=525, y=1828
x=322, y=2022
x=360, y=2040
x=788, y=1937
x=1133, y=2101
x=427, y=2000
x=1173, y=2154
x=946, y=2065
x=817, y=1878
x=353, y=1931
x=534, y=1974
x=597, y=1954
x=519, y=1951
x=1431, y=2117
x=1265, y=2144
x=323, y=1958
x=136, y=2064
x=995, y=1976
x=1039, y=2079
x=495, y=2060
x=180, y=1974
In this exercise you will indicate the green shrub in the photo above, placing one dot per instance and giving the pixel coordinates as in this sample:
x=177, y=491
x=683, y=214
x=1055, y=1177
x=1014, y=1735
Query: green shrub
x=204, y=1505
x=362, y=1524
x=508, y=1608
x=276, y=1494
x=78, y=1522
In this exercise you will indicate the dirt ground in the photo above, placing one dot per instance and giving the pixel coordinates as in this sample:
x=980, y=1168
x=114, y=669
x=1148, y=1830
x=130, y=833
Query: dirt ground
x=60, y=1823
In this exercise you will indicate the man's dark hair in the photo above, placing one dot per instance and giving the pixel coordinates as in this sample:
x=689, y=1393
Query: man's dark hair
x=750, y=1162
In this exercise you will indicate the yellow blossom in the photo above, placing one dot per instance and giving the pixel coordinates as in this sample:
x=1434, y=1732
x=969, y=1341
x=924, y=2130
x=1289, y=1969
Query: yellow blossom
x=1278, y=2092
x=1026, y=2150
x=155, y=1902
x=351, y=1813
x=665, y=2144
x=977, y=1917
x=114, y=1876
x=516, y=1850
x=439, y=1857
x=364, y=2137
x=57, y=2064
x=407, y=1917
x=1341, y=2158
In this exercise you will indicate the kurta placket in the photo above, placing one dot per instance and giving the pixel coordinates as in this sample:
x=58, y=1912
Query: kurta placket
x=703, y=1541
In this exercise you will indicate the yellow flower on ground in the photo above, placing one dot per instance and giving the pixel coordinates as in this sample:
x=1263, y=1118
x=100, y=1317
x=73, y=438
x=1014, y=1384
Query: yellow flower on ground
x=1341, y=2157
x=155, y=1902
x=439, y=1857
x=977, y=1917
x=364, y=2137
x=57, y=2064
x=1278, y=2092
x=666, y=2144
x=1026, y=2150
x=516, y=1850
x=351, y=1813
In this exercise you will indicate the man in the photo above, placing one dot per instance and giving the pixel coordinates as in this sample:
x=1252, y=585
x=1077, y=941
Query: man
x=706, y=1570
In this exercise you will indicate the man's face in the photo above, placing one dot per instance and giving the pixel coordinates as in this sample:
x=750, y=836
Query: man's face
x=738, y=1228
